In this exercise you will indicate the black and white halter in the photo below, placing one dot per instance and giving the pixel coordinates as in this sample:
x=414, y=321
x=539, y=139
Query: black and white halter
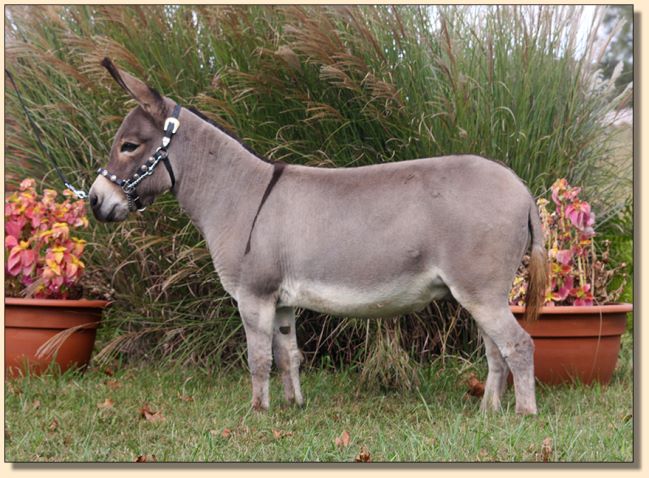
x=161, y=154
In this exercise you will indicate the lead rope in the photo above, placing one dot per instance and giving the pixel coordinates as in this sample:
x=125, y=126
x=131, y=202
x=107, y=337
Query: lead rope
x=80, y=194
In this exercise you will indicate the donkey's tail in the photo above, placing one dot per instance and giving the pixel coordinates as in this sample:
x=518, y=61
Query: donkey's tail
x=537, y=268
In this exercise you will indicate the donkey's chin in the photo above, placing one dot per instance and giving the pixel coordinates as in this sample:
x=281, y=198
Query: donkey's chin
x=115, y=213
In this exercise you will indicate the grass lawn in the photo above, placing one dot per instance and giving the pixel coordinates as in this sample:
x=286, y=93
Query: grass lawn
x=191, y=415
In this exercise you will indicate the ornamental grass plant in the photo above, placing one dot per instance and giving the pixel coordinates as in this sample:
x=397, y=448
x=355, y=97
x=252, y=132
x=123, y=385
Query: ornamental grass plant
x=327, y=86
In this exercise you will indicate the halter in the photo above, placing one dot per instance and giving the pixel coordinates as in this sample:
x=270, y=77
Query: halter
x=161, y=154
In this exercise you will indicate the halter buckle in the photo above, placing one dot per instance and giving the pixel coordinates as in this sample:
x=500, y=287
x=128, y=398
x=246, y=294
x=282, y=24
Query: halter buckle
x=172, y=121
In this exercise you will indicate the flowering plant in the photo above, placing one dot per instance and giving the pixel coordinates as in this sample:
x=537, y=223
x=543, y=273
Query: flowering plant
x=43, y=259
x=576, y=275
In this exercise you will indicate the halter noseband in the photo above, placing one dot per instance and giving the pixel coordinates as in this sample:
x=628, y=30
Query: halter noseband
x=128, y=185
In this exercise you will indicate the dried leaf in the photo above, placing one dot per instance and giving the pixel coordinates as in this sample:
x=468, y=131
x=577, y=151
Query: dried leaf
x=108, y=403
x=476, y=387
x=281, y=434
x=546, y=449
x=109, y=371
x=363, y=456
x=226, y=433
x=150, y=415
x=146, y=459
x=343, y=440
x=113, y=384
x=36, y=404
x=54, y=425
x=186, y=398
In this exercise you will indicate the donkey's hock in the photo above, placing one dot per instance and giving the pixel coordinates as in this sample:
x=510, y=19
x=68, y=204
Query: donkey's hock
x=371, y=241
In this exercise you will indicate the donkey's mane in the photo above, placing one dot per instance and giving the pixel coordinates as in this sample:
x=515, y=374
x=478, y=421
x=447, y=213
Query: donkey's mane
x=230, y=134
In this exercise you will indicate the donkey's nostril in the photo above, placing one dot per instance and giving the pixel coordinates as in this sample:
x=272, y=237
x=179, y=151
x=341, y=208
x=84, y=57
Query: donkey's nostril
x=93, y=200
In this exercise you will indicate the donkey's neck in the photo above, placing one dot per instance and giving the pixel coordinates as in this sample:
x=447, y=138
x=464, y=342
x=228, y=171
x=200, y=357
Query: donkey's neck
x=219, y=184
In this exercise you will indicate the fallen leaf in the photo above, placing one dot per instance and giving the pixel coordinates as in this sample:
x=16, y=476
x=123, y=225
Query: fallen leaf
x=281, y=434
x=546, y=449
x=226, y=433
x=113, y=384
x=149, y=415
x=108, y=403
x=146, y=459
x=186, y=398
x=363, y=456
x=54, y=425
x=109, y=371
x=343, y=440
x=476, y=387
x=36, y=404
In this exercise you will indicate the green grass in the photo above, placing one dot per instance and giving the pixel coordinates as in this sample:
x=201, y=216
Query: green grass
x=437, y=422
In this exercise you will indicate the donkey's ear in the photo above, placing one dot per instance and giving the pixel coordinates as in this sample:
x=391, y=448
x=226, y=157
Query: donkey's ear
x=148, y=98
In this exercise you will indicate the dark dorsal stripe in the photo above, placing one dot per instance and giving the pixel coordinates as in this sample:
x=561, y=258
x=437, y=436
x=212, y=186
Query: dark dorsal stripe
x=278, y=168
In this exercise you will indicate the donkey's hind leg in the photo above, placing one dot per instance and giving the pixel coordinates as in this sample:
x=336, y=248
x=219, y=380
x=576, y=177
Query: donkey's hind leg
x=497, y=377
x=515, y=346
x=287, y=355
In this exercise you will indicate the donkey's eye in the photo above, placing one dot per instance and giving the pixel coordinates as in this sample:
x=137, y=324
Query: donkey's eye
x=128, y=147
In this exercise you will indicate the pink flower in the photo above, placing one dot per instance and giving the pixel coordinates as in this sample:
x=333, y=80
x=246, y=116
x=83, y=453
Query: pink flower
x=581, y=217
x=582, y=295
x=27, y=184
x=38, y=240
x=564, y=291
x=11, y=242
x=14, y=226
x=564, y=256
x=21, y=259
x=76, y=246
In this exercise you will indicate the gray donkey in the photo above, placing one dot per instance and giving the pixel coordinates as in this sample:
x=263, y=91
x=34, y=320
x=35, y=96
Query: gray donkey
x=371, y=241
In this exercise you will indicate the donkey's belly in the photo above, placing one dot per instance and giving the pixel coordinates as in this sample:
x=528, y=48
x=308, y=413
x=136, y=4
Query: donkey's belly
x=385, y=299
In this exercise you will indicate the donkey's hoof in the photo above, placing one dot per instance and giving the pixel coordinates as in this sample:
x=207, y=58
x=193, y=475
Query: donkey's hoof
x=258, y=406
x=490, y=407
x=529, y=410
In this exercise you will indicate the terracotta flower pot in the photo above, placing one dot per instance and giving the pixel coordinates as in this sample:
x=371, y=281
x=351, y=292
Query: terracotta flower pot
x=30, y=323
x=576, y=343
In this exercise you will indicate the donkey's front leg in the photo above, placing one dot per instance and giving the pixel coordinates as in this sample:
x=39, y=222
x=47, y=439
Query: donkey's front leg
x=287, y=355
x=258, y=316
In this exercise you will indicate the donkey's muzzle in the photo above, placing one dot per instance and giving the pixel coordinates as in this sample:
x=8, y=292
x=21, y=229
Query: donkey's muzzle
x=107, y=201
